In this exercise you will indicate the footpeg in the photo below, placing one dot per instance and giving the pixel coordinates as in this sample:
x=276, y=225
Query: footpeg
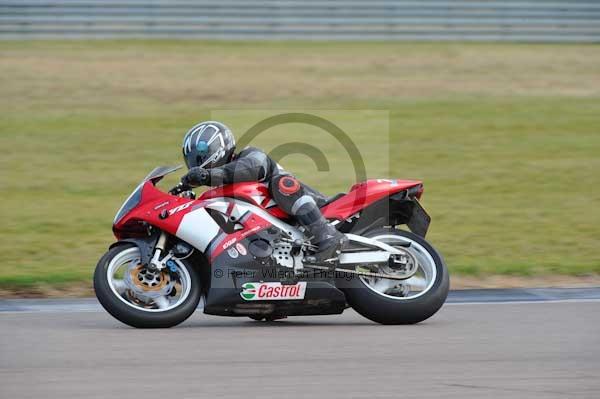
x=309, y=260
x=330, y=263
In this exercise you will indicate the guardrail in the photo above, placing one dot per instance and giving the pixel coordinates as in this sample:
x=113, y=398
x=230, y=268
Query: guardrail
x=483, y=20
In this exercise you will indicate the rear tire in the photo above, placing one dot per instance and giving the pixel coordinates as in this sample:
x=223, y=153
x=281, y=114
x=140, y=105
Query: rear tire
x=139, y=318
x=386, y=310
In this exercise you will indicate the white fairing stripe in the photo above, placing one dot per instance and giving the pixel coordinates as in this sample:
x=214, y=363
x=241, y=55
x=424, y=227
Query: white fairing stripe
x=198, y=228
x=242, y=207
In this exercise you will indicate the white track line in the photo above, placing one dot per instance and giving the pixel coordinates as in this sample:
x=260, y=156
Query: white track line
x=65, y=309
x=534, y=301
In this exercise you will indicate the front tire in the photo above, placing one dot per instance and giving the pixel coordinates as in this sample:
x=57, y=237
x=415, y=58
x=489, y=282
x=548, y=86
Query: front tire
x=414, y=307
x=118, y=297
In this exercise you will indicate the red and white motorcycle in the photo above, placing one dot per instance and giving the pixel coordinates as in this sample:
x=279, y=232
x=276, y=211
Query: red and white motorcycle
x=238, y=252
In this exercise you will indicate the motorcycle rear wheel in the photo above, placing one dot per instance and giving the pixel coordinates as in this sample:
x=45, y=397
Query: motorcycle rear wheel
x=404, y=305
x=119, y=299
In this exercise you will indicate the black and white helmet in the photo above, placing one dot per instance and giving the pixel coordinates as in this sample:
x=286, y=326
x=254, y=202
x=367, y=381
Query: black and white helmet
x=208, y=144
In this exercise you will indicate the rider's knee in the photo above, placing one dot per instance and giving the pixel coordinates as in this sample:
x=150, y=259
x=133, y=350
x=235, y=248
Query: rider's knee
x=287, y=185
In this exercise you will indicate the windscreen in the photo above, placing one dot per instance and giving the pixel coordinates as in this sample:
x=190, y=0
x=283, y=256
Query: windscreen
x=160, y=172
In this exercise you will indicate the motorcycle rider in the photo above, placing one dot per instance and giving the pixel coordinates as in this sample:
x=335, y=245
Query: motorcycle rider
x=209, y=153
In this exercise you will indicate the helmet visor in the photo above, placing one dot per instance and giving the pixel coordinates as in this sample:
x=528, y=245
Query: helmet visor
x=204, y=154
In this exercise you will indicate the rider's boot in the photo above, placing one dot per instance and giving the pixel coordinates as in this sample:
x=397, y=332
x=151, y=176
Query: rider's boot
x=328, y=240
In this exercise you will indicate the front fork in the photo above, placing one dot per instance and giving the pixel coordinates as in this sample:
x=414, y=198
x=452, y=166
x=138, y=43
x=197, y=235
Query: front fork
x=156, y=263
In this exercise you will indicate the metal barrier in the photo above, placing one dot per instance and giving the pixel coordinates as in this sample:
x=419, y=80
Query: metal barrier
x=472, y=20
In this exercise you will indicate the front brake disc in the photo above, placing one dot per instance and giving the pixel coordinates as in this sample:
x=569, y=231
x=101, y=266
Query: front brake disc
x=147, y=285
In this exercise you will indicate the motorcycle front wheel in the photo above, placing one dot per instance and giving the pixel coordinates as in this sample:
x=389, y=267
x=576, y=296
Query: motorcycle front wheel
x=140, y=298
x=407, y=301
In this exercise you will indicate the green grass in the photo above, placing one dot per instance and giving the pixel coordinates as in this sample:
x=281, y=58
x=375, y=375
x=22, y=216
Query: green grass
x=506, y=138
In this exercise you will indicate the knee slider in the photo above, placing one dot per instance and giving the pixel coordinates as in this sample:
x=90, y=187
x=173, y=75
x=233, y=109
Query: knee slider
x=288, y=185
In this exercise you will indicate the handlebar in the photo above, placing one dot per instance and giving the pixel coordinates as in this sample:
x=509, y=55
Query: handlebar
x=180, y=188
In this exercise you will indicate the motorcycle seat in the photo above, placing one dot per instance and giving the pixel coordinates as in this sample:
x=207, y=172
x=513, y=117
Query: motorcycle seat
x=331, y=199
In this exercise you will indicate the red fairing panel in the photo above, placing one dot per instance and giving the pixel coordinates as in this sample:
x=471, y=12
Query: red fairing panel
x=189, y=220
x=360, y=195
x=364, y=194
x=255, y=193
x=152, y=203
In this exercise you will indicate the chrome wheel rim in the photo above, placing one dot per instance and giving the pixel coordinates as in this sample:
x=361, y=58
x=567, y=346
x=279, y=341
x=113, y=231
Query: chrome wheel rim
x=142, y=290
x=417, y=285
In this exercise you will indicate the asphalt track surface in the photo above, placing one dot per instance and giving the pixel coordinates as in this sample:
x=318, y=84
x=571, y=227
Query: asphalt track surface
x=482, y=344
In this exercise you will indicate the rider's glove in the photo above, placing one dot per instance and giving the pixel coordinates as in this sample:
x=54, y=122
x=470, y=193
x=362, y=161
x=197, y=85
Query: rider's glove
x=196, y=177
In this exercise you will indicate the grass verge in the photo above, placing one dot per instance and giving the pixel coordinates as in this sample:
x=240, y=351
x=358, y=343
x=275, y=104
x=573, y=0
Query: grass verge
x=505, y=136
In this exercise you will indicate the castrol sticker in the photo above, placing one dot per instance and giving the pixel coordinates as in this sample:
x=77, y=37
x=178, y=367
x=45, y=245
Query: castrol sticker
x=273, y=291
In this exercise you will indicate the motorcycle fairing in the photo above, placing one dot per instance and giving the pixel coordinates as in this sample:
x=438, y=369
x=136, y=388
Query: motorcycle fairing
x=250, y=218
x=233, y=263
x=321, y=297
x=152, y=204
x=362, y=195
x=254, y=193
x=191, y=221
x=231, y=270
